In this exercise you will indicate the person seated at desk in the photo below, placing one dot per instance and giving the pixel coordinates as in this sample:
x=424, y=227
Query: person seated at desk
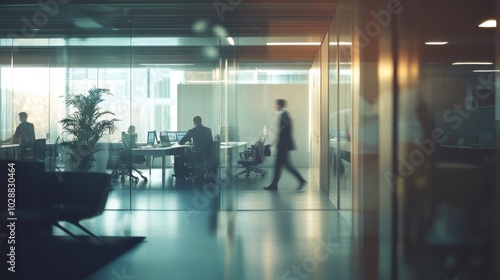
x=24, y=136
x=199, y=135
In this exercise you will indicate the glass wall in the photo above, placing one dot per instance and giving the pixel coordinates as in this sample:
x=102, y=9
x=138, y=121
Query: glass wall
x=340, y=102
x=158, y=79
x=447, y=122
x=437, y=86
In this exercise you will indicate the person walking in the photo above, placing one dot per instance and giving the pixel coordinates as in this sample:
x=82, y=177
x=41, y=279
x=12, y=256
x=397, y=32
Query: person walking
x=284, y=145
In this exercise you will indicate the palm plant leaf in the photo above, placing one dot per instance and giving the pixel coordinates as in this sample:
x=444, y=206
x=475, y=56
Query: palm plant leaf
x=86, y=125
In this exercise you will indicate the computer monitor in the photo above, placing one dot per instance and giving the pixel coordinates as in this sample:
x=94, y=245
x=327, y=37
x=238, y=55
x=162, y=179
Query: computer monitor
x=152, y=138
x=164, y=139
x=172, y=136
x=180, y=134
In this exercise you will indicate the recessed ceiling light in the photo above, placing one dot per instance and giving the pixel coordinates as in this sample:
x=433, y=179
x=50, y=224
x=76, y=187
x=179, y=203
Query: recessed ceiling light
x=293, y=43
x=472, y=63
x=436, y=43
x=491, y=23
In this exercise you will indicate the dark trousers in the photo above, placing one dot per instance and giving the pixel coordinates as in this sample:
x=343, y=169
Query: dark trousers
x=282, y=159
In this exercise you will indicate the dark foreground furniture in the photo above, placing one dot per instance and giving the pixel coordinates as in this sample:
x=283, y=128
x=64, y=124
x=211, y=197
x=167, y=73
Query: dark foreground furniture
x=38, y=199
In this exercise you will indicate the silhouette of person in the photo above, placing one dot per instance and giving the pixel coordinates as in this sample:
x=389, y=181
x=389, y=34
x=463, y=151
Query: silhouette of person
x=24, y=135
x=284, y=145
x=200, y=134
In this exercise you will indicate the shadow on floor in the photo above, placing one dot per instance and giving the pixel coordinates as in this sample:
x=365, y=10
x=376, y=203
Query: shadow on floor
x=62, y=257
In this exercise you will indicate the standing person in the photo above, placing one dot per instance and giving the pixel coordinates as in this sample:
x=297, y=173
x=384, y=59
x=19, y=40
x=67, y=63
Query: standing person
x=24, y=136
x=284, y=145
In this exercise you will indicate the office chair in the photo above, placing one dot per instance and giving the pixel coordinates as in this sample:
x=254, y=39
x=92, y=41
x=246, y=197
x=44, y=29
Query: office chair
x=26, y=152
x=79, y=196
x=33, y=198
x=251, y=158
x=36, y=152
x=204, y=164
x=115, y=154
x=39, y=150
x=127, y=161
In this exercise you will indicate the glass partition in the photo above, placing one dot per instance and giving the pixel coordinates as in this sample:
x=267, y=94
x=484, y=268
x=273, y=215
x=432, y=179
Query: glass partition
x=447, y=150
x=340, y=96
x=158, y=78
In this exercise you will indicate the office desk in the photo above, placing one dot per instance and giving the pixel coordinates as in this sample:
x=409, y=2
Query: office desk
x=9, y=151
x=232, y=150
x=162, y=152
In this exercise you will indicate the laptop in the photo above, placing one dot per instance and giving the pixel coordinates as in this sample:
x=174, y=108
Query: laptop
x=172, y=136
x=165, y=139
x=151, y=140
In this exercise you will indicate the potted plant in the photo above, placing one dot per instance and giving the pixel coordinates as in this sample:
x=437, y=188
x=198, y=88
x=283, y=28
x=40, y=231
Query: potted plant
x=86, y=125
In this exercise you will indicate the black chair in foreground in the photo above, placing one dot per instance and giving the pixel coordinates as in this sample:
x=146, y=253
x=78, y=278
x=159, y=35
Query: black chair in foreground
x=45, y=199
x=26, y=197
x=79, y=196
x=251, y=158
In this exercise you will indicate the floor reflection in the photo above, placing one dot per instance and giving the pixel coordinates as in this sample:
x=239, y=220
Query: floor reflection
x=275, y=235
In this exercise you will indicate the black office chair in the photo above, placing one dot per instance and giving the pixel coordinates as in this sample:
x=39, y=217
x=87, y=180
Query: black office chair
x=35, y=152
x=251, y=158
x=79, y=196
x=115, y=154
x=127, y=161
x=26, y=152
x=205, y=164
x=54, y=151
x=39, y=150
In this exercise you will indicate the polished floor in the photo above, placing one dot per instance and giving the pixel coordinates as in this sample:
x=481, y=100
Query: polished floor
x=260, y=235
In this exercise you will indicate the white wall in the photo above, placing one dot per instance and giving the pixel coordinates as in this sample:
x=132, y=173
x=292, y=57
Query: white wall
x=257, y=116
x=197, y=100
x=256, y=113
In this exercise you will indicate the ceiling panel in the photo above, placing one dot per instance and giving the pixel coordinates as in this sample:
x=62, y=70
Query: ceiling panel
x=195, y=23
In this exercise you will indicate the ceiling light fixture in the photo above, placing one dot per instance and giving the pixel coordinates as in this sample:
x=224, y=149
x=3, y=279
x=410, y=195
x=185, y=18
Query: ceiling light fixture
x=293, y=43
x=486, y=71
x=340, y=44
x=230, y=41
x=490, y=23
x=166, y=64
x=472, y=63
x=436, y=43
